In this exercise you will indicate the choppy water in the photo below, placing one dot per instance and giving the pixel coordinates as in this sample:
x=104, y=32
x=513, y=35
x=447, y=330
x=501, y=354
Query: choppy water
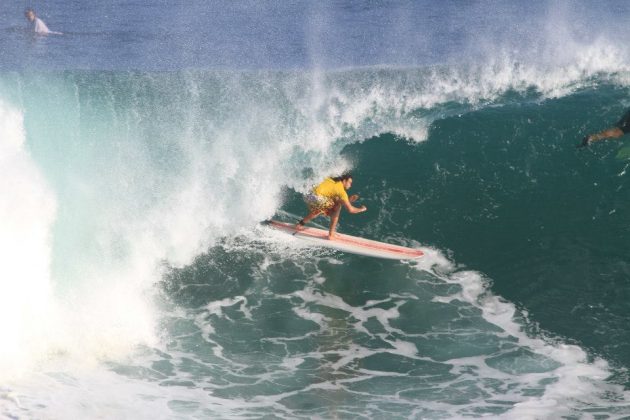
x=140, y=150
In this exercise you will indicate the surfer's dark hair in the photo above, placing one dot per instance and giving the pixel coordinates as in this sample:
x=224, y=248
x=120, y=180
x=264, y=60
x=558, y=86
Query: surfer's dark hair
x=342, y=177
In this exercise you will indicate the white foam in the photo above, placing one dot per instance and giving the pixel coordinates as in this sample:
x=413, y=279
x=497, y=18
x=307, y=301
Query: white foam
x=578, y=381
x=103, y=394
x=98, y=319
x=27, y=211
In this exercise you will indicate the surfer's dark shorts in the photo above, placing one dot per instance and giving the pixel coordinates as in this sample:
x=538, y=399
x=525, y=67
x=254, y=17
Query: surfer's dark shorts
x=319, y=203
x=624, y=123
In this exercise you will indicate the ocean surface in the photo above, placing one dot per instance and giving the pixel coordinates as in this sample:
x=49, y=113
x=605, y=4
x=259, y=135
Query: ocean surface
x=141, y=149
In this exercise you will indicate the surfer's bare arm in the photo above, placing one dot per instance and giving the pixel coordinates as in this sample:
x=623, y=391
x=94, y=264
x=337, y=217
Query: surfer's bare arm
x=618, y=130
x=351, y=209
x=611, y=133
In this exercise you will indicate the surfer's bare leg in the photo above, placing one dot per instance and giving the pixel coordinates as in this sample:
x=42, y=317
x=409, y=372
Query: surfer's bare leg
x=334, y=218
x=308, y=218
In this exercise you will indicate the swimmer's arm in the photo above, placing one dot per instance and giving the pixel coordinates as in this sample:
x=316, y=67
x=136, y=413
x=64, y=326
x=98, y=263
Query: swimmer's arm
x=611, y=133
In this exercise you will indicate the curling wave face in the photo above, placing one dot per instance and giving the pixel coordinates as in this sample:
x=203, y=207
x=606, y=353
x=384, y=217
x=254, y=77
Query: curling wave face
x=148, y=268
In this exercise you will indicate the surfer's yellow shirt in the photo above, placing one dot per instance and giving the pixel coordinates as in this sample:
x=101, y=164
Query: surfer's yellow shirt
x=331, y=189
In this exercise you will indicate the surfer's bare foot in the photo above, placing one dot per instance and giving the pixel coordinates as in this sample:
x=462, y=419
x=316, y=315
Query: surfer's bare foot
x=332, y=236
x=299, y=225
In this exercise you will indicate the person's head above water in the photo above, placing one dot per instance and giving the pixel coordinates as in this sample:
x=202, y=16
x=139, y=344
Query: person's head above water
x=345, y=179
x=29, y=14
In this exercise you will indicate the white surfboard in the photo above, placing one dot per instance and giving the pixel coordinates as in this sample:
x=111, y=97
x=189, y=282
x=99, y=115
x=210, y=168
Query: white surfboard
x=348, y=243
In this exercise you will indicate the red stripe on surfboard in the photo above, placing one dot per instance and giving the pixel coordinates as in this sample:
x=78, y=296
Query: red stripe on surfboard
x=366, y=243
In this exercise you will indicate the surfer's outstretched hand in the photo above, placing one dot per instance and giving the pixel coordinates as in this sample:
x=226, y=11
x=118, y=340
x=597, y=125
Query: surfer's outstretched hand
x=353, y=198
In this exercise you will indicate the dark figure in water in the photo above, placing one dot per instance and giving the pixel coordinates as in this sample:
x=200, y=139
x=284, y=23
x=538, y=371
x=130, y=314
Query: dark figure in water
x=618, y=130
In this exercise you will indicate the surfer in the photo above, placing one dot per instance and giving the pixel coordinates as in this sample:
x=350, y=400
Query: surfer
x=327, y=199
x=618, y=130
x=37, y=25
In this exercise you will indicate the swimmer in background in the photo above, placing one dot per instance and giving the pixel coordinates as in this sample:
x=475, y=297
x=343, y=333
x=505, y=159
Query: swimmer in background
x=327, y=198
x=618, y=130
x=36, y=25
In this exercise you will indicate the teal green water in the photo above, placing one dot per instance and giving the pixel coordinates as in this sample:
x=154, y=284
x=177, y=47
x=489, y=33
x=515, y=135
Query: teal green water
x=521, y=299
